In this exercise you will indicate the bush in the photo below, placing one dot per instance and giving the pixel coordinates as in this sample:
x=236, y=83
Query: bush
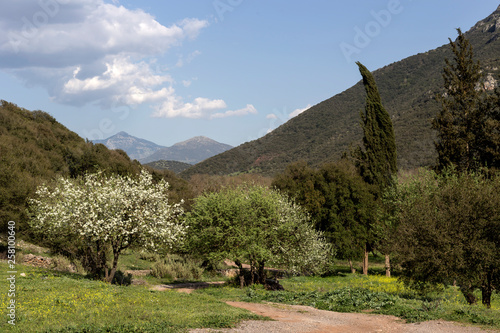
x=178, y=268
x=122, y=279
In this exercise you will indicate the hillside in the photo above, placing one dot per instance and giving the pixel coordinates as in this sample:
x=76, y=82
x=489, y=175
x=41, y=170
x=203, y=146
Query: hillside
x=322, y=133
x=174, y=166
x=35, y=148
x=135, y=148
x=190, y=151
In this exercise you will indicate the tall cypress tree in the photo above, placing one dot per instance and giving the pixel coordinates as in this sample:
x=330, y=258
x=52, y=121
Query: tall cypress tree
x=378, y=160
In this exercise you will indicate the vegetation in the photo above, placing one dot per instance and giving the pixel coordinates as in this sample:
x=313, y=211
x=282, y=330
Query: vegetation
x=107, y=213
x=49, y=301
x=257, y=226
x=341, y=203
x=174, y=166
x=451, y=227
x=468, y=124
x=377, y=162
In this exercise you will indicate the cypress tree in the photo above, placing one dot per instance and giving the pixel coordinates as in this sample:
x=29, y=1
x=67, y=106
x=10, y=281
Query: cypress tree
x=378, y=161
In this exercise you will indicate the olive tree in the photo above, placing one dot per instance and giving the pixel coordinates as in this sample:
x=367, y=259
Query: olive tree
x=108, y=212
x=449, y=231
x=258, y=226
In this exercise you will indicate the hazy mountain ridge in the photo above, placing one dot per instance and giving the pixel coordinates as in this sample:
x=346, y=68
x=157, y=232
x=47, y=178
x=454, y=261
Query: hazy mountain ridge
x=326, y=130
x=191, y=151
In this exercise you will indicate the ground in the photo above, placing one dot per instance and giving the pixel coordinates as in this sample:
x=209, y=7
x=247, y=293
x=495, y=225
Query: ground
x=305, y=319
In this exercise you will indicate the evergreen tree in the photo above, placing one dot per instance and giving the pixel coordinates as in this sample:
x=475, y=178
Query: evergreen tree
x=468, y=123
x=378, y=161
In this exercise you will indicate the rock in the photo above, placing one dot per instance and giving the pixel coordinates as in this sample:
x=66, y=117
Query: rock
x=273, y=285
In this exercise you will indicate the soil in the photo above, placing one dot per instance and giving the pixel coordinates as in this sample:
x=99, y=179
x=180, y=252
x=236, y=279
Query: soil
x=305, y=319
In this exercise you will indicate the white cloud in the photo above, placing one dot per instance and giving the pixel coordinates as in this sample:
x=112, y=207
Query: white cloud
x=296, y=112
x=271, y=116
x=249, y=109
x=201, y=107
x=92, y=51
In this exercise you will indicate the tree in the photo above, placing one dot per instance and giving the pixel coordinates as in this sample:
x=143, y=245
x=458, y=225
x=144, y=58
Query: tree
x=254, y=225
x=450, y=224
x=341, y=203
x=468, y=123
x=378, y=161
x=108, y=212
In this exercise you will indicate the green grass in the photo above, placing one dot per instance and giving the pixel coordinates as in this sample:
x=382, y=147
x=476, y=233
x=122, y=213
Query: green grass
x=47, y=301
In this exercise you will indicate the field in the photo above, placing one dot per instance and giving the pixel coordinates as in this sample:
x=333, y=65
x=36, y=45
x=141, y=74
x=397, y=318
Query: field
x=51, y=301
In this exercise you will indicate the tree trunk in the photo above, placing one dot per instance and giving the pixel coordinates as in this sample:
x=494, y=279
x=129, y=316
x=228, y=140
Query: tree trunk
x=241, y=273
x=262, y=272
x=109, y=278
x=365, y=261
x=252, y=272
x=486, y=290
x=468, y=293
x=353, y=270
x=387, y=266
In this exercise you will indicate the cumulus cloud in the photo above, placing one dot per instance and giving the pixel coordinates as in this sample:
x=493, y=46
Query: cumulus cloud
x=91, y=51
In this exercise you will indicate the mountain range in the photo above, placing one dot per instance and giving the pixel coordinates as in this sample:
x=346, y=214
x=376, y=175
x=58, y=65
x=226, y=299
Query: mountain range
x=191, y=151
x=322, y=133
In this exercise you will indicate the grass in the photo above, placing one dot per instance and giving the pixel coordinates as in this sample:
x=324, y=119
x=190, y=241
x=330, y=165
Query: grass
x=48, y=301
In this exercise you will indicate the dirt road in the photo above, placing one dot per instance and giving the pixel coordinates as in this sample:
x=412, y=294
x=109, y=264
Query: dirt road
x=305, y=319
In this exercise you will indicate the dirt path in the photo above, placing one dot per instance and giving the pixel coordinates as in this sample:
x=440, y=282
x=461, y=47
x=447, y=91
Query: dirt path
x=305, y=319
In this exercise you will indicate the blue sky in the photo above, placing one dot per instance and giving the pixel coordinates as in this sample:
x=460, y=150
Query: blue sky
x=231, y=70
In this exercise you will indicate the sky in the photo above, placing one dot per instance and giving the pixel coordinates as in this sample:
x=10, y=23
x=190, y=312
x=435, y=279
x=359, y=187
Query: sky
x=231, y=70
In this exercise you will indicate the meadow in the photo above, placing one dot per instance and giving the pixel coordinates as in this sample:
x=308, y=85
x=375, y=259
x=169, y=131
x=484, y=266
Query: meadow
x=52, y=301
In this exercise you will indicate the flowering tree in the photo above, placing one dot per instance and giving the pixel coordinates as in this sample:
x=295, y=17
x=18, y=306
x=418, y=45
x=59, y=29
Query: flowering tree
x=108, y=212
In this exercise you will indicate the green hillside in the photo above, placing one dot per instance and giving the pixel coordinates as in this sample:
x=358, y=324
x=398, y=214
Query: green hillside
x=322, y=133
x=35, y=148
x=174, y=166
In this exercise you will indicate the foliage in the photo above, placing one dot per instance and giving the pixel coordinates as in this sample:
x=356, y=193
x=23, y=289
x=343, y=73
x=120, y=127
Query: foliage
x=254, y=225
x=450, y=224
x=177, y=268
x=341, y=204
x=108, y=212
x=377, y=162
x=468, y=124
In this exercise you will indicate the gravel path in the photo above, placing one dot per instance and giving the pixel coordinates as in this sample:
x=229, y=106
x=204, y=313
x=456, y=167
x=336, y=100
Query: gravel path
x=302, y=319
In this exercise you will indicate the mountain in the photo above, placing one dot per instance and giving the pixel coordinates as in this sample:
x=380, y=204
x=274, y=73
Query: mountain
x=174, y=166
x=136, y=148
x=326, y=130
x=190, y=151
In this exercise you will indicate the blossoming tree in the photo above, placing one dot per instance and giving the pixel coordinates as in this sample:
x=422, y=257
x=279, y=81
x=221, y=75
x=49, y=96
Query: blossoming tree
x=109, y=212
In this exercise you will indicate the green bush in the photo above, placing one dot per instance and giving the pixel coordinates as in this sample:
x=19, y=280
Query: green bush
x=177, y=268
